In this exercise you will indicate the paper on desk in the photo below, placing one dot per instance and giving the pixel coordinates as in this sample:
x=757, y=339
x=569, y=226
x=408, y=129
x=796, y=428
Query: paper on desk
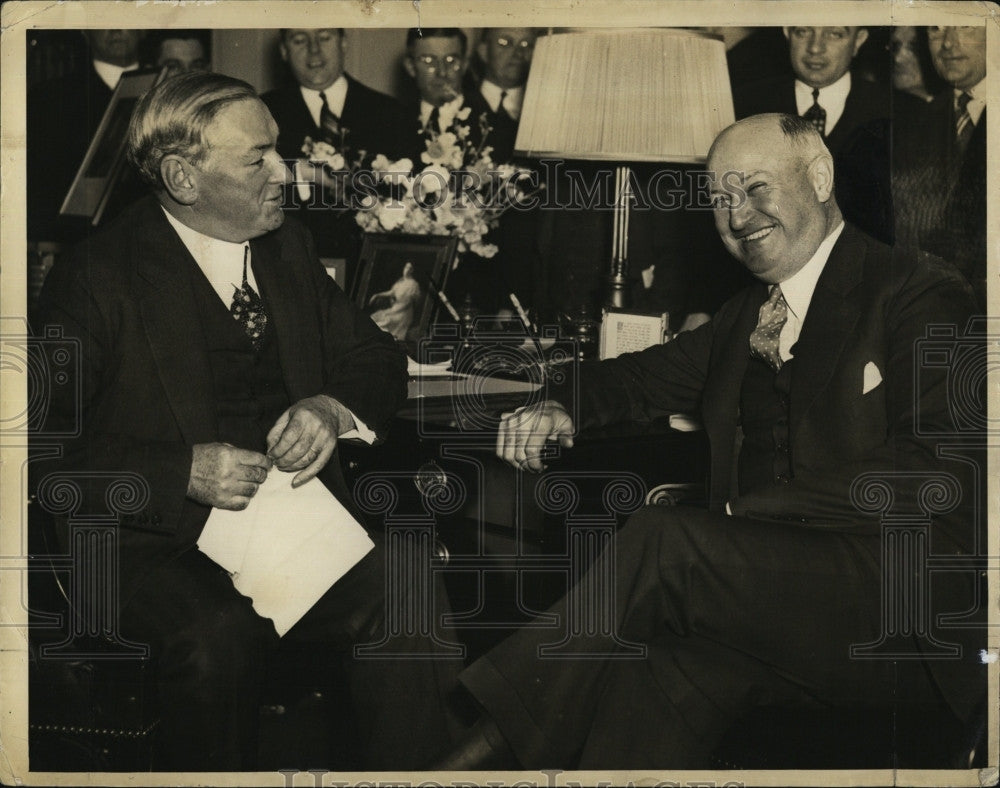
x=415, y=369
x=287, y=548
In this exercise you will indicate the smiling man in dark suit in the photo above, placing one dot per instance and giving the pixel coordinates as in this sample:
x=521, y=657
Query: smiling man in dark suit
x=805, y=381
x=325, y=103
x=203, y=407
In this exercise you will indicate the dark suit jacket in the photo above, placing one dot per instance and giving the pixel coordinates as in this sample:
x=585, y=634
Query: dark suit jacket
x=939, y=193
x=374, y=120
x=869, y=307
x=375, y=124
x=142, y=392
x=860, y=143
x=62, y=116
x=866, y=102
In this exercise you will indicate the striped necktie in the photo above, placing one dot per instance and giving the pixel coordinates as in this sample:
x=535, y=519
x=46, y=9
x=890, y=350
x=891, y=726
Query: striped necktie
x=329, y=123
x=963, y=123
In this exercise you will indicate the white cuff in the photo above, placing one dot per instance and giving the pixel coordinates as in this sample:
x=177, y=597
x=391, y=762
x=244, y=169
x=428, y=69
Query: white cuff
x=360, y=431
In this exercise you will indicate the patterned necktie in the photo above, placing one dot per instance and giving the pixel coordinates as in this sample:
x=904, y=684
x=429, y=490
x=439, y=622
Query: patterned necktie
x=963, y=124
x=248, y=308
x=764, y=339
x=816, y=114
x=329, y=122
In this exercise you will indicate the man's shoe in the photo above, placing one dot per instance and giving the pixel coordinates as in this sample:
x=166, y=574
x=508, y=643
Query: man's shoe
x=481, y=748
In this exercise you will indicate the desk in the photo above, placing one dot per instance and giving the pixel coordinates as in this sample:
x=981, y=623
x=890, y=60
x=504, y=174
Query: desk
x=512, y=540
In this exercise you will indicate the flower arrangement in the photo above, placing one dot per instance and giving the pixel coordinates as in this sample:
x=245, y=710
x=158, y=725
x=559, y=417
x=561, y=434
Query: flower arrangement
x=456, y=189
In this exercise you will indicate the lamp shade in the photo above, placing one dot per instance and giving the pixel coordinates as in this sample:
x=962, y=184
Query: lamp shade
x=651, y=94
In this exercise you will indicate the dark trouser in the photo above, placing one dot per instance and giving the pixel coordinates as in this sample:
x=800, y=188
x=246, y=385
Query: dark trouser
x=210, y=647
x=732, y=612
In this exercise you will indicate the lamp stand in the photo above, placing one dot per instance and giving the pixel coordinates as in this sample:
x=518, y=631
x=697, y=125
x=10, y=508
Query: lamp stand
x=616, y=294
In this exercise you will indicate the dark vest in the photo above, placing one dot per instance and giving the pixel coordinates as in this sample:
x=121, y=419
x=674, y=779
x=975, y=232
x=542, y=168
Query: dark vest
x=248, y=388
x=764, y=455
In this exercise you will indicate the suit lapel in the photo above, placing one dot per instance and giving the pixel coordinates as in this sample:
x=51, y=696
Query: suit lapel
x=294, y=331
x=173, y=326
x=828, y=325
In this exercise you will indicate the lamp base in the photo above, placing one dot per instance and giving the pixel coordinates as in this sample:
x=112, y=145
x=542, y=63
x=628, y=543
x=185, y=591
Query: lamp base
x=616, y=295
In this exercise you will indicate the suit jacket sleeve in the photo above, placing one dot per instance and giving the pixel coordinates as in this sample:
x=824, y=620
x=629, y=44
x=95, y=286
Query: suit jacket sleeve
x=639, y=386
x=82, y=307
x=363, y=367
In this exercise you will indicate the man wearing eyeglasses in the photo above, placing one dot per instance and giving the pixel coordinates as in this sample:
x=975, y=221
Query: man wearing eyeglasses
x=940, y=177
x=506, y=55
x=436, y=60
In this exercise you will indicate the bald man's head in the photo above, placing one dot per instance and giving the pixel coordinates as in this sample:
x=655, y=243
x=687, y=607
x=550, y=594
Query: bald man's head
x=772, y=190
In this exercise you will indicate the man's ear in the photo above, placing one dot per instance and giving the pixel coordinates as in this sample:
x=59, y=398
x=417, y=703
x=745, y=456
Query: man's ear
x=409, y=67
x=860, y=39
x=482, y=50
x=178, y=178
x=785, y=31
x=821, y=176
x=283, y=51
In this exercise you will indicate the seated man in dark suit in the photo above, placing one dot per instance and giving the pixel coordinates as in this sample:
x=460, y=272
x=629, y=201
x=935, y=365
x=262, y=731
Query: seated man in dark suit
x=850, y=113
x=324, y=103
x=201, y=407
x=62, y=116
x=807, y=385
x=939, y=184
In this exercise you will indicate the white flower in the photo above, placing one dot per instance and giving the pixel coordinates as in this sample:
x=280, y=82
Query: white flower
x=442, y=149
x=391, y=217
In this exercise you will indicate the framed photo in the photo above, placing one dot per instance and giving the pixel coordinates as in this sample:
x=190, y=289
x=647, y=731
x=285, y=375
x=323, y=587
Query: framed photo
x=399, y=278
x=103, y=165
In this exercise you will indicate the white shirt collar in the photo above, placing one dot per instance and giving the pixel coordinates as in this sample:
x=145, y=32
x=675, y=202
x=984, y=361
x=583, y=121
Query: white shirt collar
x=511, y=102
x=799, y=287
x=978, y=102
x=220, y=261
x=832, y=98
x=446, y=112
x=110, y=74
x=336, y=95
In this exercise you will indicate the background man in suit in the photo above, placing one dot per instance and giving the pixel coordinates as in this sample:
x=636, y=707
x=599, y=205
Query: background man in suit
x=804, y=381
x=203, y=407
x=506, y=54
x=851, y=113
x=939, y=182
x=62, y=116
x=325, y=103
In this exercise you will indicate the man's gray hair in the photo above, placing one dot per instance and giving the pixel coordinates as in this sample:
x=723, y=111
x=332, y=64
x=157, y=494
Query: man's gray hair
x=172, y=118
x=803, y=135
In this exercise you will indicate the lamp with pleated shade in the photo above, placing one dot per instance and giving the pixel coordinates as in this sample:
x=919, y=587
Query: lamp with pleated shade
x=625, y=96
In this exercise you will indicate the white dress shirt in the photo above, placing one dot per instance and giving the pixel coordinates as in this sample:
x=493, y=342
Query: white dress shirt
x=222, y=264
x=832, y=98
x=336, y=95
x=110, y=74
x=798, y=291
x=511, y=102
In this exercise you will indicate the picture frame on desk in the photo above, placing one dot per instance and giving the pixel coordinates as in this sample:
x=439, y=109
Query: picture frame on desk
x=398, y=280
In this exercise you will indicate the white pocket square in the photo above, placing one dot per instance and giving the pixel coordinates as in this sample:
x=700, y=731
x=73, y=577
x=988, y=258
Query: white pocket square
x=872, y=377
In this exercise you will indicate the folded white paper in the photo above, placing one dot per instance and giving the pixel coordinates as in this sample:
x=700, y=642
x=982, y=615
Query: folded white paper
x=287, y=548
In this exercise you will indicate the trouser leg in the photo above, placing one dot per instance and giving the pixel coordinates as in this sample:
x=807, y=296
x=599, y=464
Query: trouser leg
x=731, y=611
x=208, y=649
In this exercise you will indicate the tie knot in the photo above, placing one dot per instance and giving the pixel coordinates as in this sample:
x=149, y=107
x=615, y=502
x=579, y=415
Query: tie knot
x=815, y=95
x=776, y=295
x=962, y=102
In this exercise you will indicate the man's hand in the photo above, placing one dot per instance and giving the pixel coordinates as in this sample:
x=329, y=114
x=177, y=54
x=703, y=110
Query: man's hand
x=225, y=477
x=304, y=436
x=523, y=433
